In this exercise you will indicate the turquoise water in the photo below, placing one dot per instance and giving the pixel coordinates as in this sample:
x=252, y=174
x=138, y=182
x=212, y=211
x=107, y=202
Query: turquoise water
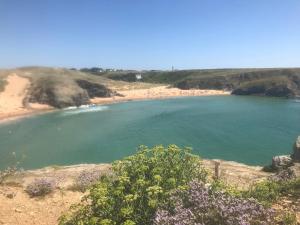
x=244, y=129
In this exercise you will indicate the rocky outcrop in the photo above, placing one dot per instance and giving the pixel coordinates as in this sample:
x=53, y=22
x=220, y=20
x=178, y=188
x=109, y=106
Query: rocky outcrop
x=58, y=95
x=61, y=93
x=281, y=162
x=296, y=153
x=95, y=89
x=277, y=87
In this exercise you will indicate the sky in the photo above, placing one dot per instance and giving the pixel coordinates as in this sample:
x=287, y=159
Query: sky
x=150, y=34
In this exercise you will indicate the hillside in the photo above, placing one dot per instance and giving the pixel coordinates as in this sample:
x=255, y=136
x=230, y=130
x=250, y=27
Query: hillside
x=268, y=82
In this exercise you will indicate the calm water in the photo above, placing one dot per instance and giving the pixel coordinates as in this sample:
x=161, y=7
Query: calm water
x=245, y=129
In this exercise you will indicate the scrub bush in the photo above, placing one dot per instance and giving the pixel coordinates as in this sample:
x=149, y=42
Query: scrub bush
x=267, y=192
x=203, y=206
x=139, y=185
x=40, y=187
x=86, y=179
x=287, y=218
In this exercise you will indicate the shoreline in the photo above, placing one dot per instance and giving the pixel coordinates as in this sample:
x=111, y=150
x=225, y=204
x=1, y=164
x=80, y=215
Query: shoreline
x=155, y=93
x=232, y=171
x=23, y=114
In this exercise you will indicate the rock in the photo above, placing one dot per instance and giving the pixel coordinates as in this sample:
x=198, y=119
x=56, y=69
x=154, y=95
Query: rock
x=18, y=210
x=10, y=195
x=95, y=89
x=296, y=153
x=281, y=162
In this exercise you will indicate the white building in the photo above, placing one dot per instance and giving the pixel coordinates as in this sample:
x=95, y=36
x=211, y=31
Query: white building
x=138, y=76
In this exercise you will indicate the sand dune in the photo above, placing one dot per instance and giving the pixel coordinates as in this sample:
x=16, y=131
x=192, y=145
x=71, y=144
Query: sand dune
x=13, y=96
x=15, y=91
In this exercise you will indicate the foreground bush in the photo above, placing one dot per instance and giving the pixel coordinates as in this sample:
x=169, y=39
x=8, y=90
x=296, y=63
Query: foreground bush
x=141, y=183
x=202, y=205
x=40, y=187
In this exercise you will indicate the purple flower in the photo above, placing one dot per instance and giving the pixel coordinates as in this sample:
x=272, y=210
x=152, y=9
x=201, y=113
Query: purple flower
x=201, y=205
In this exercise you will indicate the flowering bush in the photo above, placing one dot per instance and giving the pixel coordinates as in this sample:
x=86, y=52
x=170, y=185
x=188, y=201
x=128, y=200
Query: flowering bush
x=140, y=184
x=283, y=175
x=200, y=205
x=86, y=179
x=40, y=187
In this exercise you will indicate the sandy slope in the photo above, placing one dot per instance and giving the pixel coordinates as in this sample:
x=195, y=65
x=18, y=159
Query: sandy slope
x=12, y=98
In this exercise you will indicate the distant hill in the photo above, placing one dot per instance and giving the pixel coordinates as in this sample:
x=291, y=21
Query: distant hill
x=269, y=82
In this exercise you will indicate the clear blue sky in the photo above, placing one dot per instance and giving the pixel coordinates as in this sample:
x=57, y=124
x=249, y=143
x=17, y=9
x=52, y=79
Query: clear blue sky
x=150, y=34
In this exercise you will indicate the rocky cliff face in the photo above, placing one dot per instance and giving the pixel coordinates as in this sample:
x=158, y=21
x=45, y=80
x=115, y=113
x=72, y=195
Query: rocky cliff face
x=283, y=83
x=94, y=89
x=273, y=86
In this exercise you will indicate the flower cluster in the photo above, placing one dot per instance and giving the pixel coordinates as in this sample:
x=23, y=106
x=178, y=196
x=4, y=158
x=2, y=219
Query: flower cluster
x=202, y=206
x=86, y=179
x=41, y=187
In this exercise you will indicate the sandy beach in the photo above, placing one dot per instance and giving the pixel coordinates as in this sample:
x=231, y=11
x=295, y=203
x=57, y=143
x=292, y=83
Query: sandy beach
x=13, y=105
x=159, y=92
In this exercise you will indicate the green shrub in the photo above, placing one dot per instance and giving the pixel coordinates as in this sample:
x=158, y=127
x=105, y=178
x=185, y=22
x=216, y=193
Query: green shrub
x=219, y=185
x=140, y=184
x=286, y=218
x=269, y=191
x=265, y=192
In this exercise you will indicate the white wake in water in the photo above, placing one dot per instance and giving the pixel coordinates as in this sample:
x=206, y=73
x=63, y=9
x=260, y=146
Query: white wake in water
x=83, y=109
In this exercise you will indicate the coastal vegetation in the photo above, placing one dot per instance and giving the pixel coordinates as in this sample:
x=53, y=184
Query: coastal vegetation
x=139, y=185
x=40, y=187
x=171, y=186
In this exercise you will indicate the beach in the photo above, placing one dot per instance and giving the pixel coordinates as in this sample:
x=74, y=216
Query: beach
x=159, y=92
x=13, y=104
